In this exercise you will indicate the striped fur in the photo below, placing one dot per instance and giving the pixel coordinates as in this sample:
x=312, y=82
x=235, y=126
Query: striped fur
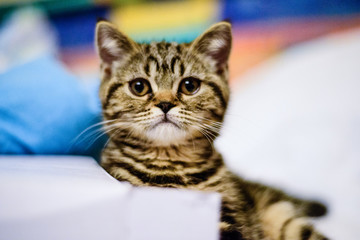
x=165, y=137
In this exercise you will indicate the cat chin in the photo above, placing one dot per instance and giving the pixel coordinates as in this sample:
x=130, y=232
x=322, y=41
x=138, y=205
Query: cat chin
x=165, y=134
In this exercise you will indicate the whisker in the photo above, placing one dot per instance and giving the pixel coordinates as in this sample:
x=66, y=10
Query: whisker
x=92, y=132
x=206, y=136
x=91, y=127
x=198, y=118
x=214, y=129
x=105, y=130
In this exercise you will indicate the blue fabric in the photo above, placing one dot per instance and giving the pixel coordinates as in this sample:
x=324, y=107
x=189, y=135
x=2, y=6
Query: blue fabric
x=43, y=110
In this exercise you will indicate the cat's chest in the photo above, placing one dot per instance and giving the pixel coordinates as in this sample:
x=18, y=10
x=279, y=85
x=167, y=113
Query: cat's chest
x=165, y=167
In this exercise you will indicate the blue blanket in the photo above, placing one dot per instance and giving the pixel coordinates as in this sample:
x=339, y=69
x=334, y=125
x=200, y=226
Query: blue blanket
x=45, y=110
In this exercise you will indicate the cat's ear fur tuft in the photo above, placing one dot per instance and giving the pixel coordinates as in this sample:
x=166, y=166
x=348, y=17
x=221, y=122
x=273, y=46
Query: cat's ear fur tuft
x=215, y=43
x=111, y=44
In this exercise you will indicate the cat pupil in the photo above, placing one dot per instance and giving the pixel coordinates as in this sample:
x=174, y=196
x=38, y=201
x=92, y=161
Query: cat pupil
x=189, y=85
x=139, y=86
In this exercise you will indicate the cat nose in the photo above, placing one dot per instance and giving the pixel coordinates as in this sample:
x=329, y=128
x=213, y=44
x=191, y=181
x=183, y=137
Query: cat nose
x=165, y=106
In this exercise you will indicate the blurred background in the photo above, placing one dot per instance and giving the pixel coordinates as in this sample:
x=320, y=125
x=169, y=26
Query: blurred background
x=294, y=117
x=261, y=28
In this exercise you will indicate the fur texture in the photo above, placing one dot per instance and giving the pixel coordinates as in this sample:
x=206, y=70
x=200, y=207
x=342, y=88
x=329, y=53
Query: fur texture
x=163, y=106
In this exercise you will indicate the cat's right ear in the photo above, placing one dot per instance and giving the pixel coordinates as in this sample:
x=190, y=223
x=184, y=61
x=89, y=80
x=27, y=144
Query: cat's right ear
x=215, y=43
x=111, y=44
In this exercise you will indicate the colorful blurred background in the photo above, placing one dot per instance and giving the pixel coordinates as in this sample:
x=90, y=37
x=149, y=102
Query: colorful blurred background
x=262, y=28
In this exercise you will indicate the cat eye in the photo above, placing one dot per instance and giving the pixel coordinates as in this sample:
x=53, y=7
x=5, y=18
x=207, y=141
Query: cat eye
x=189, y=86
x=139, y=87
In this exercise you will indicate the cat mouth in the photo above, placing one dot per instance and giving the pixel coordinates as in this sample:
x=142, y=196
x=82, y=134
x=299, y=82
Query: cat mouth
x=166, y=121
x=167, y=130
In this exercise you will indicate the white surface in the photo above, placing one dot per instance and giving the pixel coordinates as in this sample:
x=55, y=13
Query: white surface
x=65, y=198
x=294, y=122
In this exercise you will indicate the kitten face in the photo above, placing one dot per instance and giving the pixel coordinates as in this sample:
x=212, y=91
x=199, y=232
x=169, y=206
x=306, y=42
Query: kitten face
x=164, y=93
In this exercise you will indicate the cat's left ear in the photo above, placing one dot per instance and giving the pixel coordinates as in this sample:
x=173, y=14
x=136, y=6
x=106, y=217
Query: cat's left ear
x=215, y=43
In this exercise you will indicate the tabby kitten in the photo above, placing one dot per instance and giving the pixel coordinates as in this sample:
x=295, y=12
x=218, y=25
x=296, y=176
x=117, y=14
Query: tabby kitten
x=163, y=104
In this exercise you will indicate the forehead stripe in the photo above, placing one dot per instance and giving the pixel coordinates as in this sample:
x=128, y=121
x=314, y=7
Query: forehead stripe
x=164, y=66
x=182, y=69
x=178, y=49
x=173, y=61
x=147, y=69
x=147, y=49
x=167, y=45
x=152, y=58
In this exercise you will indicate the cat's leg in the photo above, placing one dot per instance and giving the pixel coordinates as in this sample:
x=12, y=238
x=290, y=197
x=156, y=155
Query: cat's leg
x=228, y=233
x=238, y=223
x=284, y=217
x=281, y=221
x=228, y=222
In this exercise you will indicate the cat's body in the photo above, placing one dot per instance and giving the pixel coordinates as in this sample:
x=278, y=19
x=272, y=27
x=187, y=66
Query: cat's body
x=163, y=105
